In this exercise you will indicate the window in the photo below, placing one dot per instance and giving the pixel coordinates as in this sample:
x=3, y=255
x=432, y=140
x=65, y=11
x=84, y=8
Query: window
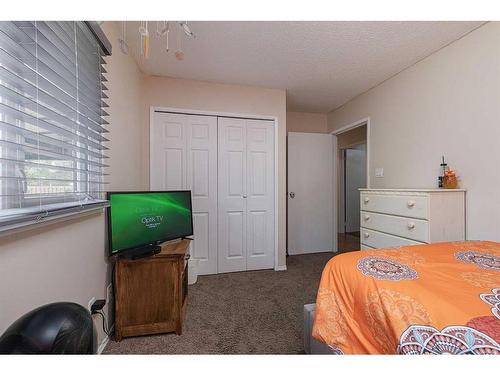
x=52, y=120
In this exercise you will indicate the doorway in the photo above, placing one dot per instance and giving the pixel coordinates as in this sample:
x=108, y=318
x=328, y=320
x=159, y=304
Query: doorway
x=352, y=175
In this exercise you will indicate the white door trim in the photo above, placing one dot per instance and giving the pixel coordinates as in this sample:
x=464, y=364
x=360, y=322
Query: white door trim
x=153, y=109
x=353, y=125
x=343, y=129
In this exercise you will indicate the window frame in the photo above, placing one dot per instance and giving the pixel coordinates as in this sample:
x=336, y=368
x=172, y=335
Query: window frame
x=56, y=207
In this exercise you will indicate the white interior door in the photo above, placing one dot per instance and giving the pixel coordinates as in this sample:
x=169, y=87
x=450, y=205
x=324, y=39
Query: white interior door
x=184, y=157
x=246, y=194
x=311, y=184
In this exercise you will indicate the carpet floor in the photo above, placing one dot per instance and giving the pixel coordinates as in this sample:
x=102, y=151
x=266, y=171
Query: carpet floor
x=241, y=313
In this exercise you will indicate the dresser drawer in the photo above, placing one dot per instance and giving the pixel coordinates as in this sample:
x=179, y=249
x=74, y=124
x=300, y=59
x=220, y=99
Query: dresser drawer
x=381, y=240
x=401, y=205
x=414, y=229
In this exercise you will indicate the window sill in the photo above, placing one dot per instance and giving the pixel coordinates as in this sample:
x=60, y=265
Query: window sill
x=44, y=221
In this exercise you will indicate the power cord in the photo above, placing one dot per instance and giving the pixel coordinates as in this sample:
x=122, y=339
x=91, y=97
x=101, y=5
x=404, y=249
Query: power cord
x=99, y=304
x=104, y=324
x=96, y=308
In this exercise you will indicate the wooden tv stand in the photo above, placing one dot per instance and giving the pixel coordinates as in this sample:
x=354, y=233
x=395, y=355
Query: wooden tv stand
x=150, y=293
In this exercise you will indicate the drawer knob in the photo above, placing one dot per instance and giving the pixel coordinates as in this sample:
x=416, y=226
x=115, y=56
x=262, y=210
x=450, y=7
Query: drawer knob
x=367, y=217
x=367, y=200
x=367, y=234
x=410, y=204
x=411, y=225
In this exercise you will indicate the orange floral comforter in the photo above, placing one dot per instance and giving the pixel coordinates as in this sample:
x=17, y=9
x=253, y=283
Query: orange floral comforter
x=424, y=299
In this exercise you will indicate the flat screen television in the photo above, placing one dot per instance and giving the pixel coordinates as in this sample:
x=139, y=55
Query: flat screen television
x=139, y=221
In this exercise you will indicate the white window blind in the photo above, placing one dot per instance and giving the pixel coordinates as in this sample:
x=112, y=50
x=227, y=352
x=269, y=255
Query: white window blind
x=52, y=120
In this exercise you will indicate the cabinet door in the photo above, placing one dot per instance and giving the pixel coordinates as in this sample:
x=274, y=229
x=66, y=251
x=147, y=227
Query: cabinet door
x=232, y=170
x=146, y=296
x=184, y=157
x=260, y=194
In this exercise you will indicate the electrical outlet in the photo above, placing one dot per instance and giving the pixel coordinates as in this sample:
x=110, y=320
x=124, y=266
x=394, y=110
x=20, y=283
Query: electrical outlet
x=379, y=172
x=91, y=302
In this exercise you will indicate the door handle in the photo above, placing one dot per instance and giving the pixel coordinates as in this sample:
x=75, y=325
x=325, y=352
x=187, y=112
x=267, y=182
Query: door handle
x=292, y=194
x=244, y=196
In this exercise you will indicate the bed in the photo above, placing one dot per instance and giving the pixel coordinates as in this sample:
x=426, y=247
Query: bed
x=426, y=299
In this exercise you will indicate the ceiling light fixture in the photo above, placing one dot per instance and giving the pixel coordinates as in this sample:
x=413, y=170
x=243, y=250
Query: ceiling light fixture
x=122, y=41
x=144, y=38
x=179, y=54
x=186, y=29
x=163, y=29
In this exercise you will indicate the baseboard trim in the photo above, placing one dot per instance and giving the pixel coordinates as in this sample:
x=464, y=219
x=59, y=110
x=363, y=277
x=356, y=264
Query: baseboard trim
x=280, y=268
x=105, y=341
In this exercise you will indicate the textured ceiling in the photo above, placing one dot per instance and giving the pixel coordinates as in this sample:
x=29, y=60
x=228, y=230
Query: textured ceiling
x=322, y=65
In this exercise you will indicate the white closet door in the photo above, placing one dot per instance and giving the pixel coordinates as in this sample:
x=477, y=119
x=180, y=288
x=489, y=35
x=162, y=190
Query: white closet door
x=246, y=194
x=184, y=157
x=260, y=194
x=202, y=181
x=232, y=195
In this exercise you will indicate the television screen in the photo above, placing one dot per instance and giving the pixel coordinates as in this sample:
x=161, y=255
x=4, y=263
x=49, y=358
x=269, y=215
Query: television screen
x=137, y=219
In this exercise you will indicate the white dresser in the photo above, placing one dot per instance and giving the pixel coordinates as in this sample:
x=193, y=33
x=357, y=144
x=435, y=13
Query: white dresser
x=401, y=217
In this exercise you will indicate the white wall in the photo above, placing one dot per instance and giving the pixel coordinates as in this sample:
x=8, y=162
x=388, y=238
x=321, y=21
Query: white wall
x=306, y=122
x=128, y=131
x=67, y=261
x=446, y=104
x=235, y=99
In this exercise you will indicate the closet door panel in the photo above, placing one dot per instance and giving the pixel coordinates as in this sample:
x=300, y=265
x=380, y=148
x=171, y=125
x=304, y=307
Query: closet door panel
x=168, y=152
x=260, y=194
x=201, y=172
x=199, y=249
x=235, y=235
x=184, y=157
x=257, y=222
x=173, y=172
x=231, y=199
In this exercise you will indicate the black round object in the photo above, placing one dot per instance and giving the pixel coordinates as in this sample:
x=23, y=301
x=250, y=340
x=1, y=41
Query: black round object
x=56, y=328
